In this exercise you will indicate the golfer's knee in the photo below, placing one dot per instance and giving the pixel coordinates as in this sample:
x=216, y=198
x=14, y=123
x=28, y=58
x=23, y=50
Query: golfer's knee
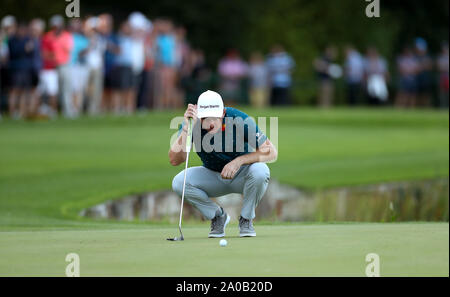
x=259, y=173
x=177, y=183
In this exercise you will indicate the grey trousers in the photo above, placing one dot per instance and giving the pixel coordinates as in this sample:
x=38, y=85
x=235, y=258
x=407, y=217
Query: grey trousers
x=95, y=91
x=65, y=87
x=202, y=183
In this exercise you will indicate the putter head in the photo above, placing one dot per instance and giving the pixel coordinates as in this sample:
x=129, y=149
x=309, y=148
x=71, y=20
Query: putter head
x=176, y=238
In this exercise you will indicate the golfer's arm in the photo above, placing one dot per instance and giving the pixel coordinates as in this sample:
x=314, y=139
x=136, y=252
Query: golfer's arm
x=176, y=153
x=265, y=153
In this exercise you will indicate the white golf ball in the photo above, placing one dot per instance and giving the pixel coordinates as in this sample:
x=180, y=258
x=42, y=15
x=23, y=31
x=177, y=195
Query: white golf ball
x=223, y=242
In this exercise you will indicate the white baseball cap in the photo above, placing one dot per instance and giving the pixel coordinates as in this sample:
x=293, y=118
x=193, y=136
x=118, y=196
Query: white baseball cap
x=8, y=21
x=209, y=104
x=56, y=21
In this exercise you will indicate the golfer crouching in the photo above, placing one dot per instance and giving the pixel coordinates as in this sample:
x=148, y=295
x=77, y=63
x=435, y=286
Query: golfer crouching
x=233, y=151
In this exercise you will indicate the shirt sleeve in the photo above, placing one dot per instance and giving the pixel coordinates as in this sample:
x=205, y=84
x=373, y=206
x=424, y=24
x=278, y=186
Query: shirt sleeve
x=252, y=134
x=45, y=44
x=180, y=128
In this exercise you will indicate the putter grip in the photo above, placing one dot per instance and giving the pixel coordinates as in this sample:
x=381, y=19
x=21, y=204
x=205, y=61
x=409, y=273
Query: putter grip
x=189, y=136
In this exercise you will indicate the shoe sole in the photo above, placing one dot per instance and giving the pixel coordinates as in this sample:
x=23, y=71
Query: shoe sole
x=221, y=234
x=247, y=234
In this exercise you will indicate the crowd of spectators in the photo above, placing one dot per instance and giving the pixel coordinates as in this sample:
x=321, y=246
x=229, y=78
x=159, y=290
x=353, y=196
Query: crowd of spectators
x=416, y=77
x=268, y=80
x=83, y=66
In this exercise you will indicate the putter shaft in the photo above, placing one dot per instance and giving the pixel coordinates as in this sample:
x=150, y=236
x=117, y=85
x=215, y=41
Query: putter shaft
x=188, y=150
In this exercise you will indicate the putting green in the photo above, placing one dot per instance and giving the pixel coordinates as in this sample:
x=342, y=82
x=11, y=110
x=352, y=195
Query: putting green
x=405, y=249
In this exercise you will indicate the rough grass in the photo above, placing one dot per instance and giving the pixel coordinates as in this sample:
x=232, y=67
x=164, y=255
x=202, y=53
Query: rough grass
x=54, y=169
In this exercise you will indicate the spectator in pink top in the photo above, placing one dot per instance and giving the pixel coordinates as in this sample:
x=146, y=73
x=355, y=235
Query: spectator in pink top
x=232, y=69
x=56, y=48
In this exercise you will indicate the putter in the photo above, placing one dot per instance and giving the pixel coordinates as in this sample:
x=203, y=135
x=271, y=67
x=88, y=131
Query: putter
x=188, y=150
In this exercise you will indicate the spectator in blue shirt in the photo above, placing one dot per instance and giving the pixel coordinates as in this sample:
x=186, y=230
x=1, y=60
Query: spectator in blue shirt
x=37, y=27
x=279, y=66
x=20, y=48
